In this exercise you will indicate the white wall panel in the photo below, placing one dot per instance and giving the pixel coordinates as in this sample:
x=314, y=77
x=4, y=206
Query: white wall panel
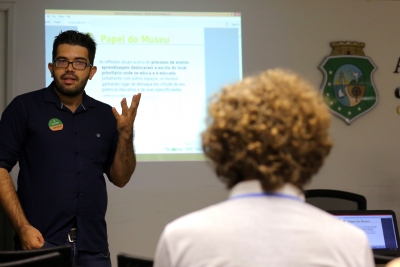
x=276, y=33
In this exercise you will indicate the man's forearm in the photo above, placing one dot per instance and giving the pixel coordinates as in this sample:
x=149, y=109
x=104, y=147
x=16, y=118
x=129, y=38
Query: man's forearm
x=10, y=203
x=124, y=161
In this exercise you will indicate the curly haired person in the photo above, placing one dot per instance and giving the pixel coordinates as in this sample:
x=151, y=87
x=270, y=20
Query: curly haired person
x=267, y=136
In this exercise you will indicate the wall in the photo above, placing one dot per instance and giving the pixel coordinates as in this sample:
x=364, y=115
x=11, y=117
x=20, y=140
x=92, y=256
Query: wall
x=6, y=231
x=276, y=33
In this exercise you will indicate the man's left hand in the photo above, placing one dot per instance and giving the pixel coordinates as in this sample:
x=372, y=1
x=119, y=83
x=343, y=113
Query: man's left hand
x=127, y=117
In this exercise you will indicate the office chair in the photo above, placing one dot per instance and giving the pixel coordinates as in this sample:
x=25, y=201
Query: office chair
x=16, y=255
x=126, y=260
x=383, y=259
x=51, y=259
x=329, y=199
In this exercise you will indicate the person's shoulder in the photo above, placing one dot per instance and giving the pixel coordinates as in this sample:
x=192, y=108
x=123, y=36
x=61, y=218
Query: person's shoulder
x=100, y=103
x=28, y=97
x=100, y=108
x=333, y=227
x=337, y=237
x=97, y=103
x=30, y=94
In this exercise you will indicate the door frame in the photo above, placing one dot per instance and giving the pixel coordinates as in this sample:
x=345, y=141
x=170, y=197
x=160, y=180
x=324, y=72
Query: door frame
x=9, y=8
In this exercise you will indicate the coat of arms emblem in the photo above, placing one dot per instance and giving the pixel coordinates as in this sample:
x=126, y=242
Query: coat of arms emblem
x=348, y=88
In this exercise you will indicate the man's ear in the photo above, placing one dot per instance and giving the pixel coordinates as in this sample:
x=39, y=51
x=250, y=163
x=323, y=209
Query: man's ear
x=93, y=71
x=50, y=67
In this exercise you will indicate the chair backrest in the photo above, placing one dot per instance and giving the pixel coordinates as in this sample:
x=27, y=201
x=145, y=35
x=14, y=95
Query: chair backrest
x=127, y=260
x=51, y=259
x=15, y=255
x=382, y=259
x=329, y=199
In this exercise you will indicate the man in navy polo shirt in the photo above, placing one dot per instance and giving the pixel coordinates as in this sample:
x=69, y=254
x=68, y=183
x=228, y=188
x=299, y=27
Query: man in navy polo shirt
x=64, y=142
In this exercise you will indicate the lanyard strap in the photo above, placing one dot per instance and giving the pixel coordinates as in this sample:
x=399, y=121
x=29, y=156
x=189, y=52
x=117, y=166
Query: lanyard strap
x=266, y=195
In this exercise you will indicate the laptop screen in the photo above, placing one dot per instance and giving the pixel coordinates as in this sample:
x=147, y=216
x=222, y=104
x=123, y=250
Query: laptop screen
x=380, y=227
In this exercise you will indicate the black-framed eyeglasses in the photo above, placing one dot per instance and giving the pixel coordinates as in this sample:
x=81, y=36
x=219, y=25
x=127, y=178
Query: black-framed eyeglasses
x=77, y=65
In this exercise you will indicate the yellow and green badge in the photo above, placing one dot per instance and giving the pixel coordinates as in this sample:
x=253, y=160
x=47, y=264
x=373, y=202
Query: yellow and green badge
x=55, y=124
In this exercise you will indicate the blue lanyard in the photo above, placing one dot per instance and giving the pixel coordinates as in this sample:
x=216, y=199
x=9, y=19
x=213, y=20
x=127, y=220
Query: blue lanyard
x=266, y=195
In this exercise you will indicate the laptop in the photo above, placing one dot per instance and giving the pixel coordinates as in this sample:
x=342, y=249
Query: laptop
x=379, y=225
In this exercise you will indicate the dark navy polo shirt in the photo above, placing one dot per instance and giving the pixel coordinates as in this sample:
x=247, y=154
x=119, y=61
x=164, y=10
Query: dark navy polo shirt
x=61, y=177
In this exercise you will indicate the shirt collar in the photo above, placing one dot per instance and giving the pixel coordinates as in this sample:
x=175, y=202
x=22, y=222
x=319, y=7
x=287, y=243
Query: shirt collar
x=51, y=96
x=254, y=186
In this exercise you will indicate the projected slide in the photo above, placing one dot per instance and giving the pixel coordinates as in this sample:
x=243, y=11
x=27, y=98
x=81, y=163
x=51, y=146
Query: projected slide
x=177, y=60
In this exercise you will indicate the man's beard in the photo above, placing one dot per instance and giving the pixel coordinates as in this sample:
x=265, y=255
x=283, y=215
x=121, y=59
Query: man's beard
x=72, y=91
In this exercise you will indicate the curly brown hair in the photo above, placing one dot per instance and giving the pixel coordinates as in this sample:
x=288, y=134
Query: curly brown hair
x=272, y=127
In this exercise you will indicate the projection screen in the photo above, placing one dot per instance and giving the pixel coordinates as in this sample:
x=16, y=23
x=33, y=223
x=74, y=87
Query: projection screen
x=176, y=60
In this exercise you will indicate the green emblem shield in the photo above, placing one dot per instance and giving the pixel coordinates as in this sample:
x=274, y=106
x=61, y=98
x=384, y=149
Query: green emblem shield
x=348, y=88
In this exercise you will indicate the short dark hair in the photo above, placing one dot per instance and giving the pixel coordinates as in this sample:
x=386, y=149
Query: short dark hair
x=72, y=37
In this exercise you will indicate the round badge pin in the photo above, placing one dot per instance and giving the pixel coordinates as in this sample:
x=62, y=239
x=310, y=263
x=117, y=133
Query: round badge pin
x=56, y=125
